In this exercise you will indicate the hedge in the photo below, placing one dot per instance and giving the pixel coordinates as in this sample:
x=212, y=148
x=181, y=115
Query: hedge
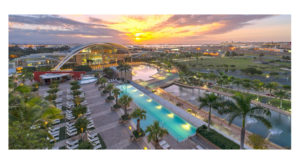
x=216, y=138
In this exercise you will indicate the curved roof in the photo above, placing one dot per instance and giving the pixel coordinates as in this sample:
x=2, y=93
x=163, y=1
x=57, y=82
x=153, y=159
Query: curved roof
x=76, y=50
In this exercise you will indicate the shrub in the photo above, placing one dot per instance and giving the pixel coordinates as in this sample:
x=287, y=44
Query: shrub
x=110, y=98
x=85, y=145
x=125, y=117
x=140, y=134
x=251, y=71
x=102, y=142
x=257, y=141
x=116, y=106
x=75, y=87
x=216, y=138
x=74, y=82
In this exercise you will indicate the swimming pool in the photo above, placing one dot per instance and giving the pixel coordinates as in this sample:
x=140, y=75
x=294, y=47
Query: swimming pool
x=280, y=133
x=87, y=80
x=175, y=125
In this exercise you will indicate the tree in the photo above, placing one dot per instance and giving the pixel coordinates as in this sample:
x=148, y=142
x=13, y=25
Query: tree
x=108, y=72
x=79, y=110
x=109, y=88
x=169, y=66
x=271, y=86
x=125, y=101
x=280, y=94
x=81, y=125
x=77, y=100
x=155, y=133
x=139, y=114
x=126, y=68
x=102, y=82
x=116, y=92
x=211, y=101
x=29, y=118
x=241, y=107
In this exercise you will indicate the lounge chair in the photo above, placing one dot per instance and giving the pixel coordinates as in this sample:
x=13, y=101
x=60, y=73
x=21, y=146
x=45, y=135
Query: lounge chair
x=199, y=147
x=164, y=144
x=54, y=128
x=69, y=142
x=96, y=142
x=93, y=139
x=97, y=147
x=70, y=123
x=72, y=134
x=92, y=135
x=72, y=147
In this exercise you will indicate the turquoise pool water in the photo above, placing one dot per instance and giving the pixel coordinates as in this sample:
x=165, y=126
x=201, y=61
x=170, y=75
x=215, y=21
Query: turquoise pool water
x=176, y=126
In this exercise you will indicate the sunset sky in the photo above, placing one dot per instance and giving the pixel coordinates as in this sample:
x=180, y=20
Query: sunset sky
x=147, y=29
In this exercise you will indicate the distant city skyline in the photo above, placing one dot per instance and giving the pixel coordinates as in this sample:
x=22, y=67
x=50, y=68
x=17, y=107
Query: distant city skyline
x=148, y=29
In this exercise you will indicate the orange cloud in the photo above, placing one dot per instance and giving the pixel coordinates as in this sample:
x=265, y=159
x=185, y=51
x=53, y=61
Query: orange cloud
x=147, y=29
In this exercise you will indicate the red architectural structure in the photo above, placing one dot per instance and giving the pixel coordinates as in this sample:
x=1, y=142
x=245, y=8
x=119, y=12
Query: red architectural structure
x=74, y=74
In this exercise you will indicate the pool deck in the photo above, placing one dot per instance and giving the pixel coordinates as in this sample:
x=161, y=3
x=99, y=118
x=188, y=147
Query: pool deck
x=180, y=112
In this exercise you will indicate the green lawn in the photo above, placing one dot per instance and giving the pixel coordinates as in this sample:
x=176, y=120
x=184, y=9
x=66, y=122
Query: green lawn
x=237, y=63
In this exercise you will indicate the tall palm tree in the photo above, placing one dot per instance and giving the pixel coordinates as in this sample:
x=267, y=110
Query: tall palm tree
x=109, y=88
x=102, y=81
x=280, y=94
x=241, y=107
x=116, y=92
x=126, y=67
x=125, y=101
x=155, y=133
x=211, y=101
x=120, y=68
x=139, y=114
x=81, y=125
x=79, y=110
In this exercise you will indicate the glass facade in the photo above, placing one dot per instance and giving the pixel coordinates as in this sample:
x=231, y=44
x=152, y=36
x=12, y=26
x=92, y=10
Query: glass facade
x=98, y=55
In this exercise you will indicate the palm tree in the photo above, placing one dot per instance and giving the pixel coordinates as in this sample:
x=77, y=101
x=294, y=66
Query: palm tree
x=241, y=107
x=155, y=132
x=211, y=101
x=102, y=81
x=109, y=88
x=280, y=94
x=81, y=125
x=272, y=86
x=120, y=68
x=126, y=67
x=116, y=92
x=125, y=101
x=79, y=110
x=139, y=114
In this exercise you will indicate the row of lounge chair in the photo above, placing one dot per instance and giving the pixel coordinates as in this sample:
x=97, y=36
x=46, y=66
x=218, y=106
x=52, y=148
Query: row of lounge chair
x=71, y=130
x=72, y=144
x=94, y=140
x=91, y=123
x=69, y=115
x=54, y=131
